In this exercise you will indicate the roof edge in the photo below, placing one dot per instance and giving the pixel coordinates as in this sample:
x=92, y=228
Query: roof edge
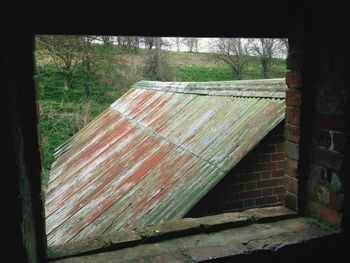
x=269, y=88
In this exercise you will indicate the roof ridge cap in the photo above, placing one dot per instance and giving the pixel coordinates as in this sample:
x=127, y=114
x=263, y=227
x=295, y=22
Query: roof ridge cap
x=269, y=88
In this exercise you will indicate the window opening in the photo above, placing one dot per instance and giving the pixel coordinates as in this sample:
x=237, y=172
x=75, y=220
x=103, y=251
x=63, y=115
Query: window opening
x=150, y=129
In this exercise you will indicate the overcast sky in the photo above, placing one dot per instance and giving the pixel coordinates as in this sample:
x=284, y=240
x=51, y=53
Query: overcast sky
x=203, y=44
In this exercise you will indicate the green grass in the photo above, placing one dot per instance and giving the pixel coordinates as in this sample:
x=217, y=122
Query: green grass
x=278, y=69
x=217, y=72
x=64, y=111
x=200, y=73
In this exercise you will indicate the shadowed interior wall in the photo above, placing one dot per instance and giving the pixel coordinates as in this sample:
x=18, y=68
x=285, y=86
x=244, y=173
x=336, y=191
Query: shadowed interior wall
x=327, y=78
x=316, y=118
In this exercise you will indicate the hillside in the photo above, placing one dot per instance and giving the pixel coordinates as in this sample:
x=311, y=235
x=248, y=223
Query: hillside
x=63, y=111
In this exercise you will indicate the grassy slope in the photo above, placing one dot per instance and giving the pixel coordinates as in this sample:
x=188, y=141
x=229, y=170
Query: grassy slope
x=200, y=67
x=63, y=112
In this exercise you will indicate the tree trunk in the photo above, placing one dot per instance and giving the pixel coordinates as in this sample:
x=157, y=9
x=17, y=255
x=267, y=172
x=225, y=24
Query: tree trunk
x=87, y=81
x=265, y=68
x=69, y=79
x=158, y=56
x=236, y=73
x=119, y=41
x=106, y=40
x=239, y=75
x=87, y=86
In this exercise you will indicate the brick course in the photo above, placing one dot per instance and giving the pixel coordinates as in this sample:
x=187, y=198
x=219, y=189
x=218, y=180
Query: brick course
x=292, y=129
x=293, y=98
x=293, y=115
x=293, y=77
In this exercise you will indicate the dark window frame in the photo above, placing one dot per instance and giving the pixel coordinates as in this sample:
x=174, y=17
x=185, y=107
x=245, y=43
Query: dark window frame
x=46, y=22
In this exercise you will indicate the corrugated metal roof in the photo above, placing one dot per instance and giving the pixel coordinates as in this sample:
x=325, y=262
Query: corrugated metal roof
x=155, y=152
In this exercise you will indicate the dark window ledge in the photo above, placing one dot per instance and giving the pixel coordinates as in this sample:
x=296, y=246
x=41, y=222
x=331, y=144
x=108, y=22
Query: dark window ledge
x=199, y=239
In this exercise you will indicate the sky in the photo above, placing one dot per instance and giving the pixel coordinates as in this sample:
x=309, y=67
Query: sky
x=203, y=44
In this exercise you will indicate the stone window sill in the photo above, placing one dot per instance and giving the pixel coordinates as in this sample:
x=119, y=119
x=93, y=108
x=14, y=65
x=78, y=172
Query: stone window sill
x=198, y=239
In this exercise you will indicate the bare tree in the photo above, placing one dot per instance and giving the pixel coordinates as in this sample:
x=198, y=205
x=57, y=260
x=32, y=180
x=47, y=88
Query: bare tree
x=285, y=42
x=283, y=46
x=196, y=44
x=107, y=40
x=191, y=43
x=74, y=52
x=119, y=41
x=136, y=43
x=265, y=49
x=88, y=62
x=149, y=42
x=234, y=53
x=128, y=42
x=65, y=51
x=156, y=66
x=177, y=42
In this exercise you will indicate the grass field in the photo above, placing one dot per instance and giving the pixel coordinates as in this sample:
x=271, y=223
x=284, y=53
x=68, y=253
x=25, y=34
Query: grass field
x=64, y=111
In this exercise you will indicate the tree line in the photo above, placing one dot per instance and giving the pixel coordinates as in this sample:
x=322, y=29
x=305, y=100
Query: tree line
x=235, y=53
x=71, y=52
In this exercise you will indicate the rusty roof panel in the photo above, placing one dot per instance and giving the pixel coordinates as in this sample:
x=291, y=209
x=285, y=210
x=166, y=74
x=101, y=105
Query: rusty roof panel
x=155, y=153
x=146, y=194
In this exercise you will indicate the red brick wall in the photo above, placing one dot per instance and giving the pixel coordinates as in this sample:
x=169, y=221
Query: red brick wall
x=292, y=126
x=256, y=181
